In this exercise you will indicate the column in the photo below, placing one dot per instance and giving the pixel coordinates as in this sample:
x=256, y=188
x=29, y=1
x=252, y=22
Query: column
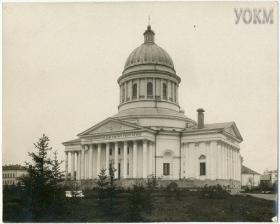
x=78, y=165
x=98, y=159
x=124, y=159
x=186, y=147
x=138, y=88
x=72, y=165
x=144, y=159
x=86, y=162
x=220, y=161
x=90, y=162
x=83, y=163
x=154, y=88
x=150, y=158
x=223, y=161
x=134, y=172
x=214, y=160
x=107, y=157
x=66, y=165
x=116, y=162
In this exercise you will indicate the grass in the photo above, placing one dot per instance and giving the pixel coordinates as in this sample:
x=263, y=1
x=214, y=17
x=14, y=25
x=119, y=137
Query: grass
x=166, y=207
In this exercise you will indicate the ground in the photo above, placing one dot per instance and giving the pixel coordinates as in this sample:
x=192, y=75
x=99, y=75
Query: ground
x=176, y=206
x=271, y=197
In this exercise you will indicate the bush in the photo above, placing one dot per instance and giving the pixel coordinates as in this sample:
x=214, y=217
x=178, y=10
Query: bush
x=213, y=192
x=152, y=182
x=173, y=186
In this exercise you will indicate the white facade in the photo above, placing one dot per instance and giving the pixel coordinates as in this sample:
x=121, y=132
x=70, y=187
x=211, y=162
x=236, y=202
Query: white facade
x=150, y=135
x=12, y=173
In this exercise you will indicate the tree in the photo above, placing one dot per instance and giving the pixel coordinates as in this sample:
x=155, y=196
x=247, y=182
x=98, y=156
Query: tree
x=56, y=172
x=40, y=191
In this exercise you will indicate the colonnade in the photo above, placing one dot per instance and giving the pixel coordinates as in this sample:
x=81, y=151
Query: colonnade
x=87, y=162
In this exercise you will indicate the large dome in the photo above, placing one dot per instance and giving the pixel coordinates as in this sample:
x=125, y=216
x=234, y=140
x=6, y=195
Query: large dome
x=149, y=53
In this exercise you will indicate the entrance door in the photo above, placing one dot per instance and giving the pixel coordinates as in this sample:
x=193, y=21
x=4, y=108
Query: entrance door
x=119, y=170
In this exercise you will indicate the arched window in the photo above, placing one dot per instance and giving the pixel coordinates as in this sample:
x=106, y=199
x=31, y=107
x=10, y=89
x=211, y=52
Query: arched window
x=123, y=94
x=150, y=90
x=202, y=165
x=175, y=93
x=134, y=91
x=164, y=91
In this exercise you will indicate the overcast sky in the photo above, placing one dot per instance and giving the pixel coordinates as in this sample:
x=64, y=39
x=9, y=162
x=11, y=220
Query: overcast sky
x=62, y=61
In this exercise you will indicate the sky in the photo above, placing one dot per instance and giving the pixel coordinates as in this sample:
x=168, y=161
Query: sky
x=61, y=62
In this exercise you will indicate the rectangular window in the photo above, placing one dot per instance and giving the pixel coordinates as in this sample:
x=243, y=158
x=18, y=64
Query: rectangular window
x=202, y=169
x=166, y=169
x=110, y=151
x=127, y=150
x=119, y=151
x=127, y=169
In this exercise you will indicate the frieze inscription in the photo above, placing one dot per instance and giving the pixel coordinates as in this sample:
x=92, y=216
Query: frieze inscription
x=117, y=136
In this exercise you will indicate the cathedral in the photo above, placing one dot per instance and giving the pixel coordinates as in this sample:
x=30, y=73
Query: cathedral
x=150, y=135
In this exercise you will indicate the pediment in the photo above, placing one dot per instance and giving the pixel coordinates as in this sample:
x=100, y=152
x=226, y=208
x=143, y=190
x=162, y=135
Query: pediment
x=111, y=125
x=230, y=131
x=233, y=131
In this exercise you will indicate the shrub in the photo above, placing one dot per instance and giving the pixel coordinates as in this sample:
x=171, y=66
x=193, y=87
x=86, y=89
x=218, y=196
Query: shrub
x=213, y=192
x=152, y=182
x=173, y=186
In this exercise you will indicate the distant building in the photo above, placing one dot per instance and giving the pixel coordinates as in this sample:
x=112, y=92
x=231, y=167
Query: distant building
x=11, y=174
x=270, y=176
x=250, y=178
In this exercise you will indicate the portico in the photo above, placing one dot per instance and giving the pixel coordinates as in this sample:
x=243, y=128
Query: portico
x=129, y=158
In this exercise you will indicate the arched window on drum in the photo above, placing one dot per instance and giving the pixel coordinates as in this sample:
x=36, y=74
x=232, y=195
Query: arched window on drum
x=123, y=93
x=202, y=165
x=134, y=91
x=164, y=91
x=150, y=90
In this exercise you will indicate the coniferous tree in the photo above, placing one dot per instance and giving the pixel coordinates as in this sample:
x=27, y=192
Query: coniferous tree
x=40, y=185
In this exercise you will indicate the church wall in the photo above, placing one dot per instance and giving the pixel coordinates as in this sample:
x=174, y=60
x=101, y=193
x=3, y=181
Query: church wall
x=222, y=160
x=162, y=122
x=168, y=143
x=149, y=103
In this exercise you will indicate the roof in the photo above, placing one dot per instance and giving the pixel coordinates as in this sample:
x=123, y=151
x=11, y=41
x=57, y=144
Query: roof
x=77, y=140
x=13, y=167
x=149, y=53
x=246, y=170
x=228, y=128
x=152, y=111
x=213, y=126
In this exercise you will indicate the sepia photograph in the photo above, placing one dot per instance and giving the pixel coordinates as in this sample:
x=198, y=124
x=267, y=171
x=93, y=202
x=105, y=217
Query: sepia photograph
x=140, y=111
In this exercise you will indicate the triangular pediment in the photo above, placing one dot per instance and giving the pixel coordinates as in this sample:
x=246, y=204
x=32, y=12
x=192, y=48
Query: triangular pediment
x=233, y=131
x=111, y=125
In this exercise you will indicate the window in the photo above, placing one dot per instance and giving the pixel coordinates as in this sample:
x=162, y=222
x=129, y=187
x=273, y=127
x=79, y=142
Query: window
x=119, y=151
x=202, y=169
x=134, y=91
x=150, y=90
x=164, y=91
x=127, y=169
x=175, y=93
x=123, y=94
x=127, y=150
x=166, y=169
x=110, y=151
